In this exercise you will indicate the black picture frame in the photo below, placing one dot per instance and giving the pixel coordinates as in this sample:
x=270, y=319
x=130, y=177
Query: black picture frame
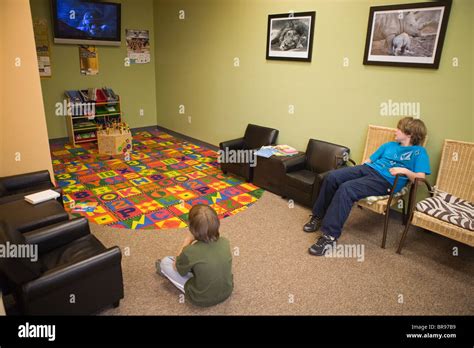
x=415, y=41
x=290, y=36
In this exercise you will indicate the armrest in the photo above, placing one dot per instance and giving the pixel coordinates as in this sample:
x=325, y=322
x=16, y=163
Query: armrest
x=346, y=160
x=21, y=181
x=294, y=163
x=54, y=236
x=424, y=181
x=232, y=144
x=412, y=195
x=321, y=176
x=352, y=161
x=392, y=190
x=66, y=275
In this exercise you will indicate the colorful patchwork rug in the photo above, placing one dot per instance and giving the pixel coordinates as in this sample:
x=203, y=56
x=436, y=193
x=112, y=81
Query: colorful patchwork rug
x=156, y=189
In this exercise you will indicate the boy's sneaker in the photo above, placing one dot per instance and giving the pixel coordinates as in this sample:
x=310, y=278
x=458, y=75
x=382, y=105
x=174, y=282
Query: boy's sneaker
x=313, y=225
x=322, y=244
x=158, y=267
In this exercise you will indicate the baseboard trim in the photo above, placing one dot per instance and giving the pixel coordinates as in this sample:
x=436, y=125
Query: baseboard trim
x=59, y=140
x=66, y=139
x=188, y=138
x=160, y=128
x=143, y=129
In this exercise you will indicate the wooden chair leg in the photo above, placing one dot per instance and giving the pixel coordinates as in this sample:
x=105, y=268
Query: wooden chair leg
x=404, y=212
x=402, y=240
x=385, y=227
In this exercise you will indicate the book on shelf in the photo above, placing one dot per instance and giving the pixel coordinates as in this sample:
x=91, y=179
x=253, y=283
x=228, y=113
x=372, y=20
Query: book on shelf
x=101, y=97
x=74, y=96
x=84, y=136
x=92, y=93
x=80, y=125
x=109, y=93
x=100, y=110
x=84, y=96
x=96, y=95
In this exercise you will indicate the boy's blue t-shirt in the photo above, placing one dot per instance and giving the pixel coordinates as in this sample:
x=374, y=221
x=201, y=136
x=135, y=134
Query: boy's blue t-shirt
x=392, y=154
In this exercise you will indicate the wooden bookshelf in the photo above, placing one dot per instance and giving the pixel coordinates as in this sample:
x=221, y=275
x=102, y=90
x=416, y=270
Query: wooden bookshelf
x=82, y=128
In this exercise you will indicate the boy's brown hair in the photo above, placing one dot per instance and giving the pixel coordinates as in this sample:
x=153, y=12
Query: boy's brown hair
x=204, y=223
x=413, y=127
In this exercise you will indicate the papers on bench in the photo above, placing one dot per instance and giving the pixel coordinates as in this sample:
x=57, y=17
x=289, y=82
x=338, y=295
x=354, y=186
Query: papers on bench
x=266, y=151
x=278, y=150
x=42, y=196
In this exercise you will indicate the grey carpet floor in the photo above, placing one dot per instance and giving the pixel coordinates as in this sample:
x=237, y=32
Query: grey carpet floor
x=275, y=275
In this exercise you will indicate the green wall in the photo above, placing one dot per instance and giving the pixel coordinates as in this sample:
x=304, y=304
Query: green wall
x=194, y=67
x=135, y=84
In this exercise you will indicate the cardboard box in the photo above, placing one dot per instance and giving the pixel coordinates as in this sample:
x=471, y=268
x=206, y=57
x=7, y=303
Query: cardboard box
x=114, y=143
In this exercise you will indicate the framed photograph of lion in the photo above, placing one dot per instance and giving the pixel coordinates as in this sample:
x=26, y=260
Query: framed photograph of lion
x=408, y=35
x=290, y=36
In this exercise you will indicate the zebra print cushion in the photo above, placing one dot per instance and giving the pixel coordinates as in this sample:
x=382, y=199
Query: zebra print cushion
x=449, y=208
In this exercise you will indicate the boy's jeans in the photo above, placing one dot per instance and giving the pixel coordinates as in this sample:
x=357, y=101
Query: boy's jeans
x=169, y=272
x=341, y=189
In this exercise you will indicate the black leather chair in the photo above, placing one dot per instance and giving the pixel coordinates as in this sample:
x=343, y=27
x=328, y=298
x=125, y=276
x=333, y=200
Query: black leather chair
x=24, y=217
x=305, y=174
x=73, y=275
x=255, y=137
x=15, y=187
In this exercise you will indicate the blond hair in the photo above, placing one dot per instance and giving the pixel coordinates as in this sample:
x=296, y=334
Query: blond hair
x=413, y=127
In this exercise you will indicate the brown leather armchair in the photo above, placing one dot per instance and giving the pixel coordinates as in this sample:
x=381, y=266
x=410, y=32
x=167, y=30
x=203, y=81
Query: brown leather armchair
x=15, y=187
x=24, y=217
x=255, y=137
x=305, y=174
x=72, y=273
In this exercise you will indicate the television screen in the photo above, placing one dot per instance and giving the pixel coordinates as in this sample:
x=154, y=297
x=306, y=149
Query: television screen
x=86, y=22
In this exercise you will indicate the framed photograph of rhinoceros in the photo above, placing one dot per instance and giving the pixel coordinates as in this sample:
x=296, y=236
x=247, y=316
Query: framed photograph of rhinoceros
x=290, y=36
x=408, y=35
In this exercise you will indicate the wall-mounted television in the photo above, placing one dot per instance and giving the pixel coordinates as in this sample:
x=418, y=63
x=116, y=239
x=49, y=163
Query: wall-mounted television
x=86, y=22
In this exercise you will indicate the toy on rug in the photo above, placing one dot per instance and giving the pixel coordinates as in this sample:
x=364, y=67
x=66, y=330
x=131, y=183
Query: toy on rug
x=115, y=138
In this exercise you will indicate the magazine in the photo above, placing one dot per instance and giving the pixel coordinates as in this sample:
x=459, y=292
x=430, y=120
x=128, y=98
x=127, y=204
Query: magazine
x=85, y=207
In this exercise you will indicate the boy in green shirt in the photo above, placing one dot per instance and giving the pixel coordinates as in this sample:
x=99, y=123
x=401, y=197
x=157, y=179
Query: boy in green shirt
x=203, y=267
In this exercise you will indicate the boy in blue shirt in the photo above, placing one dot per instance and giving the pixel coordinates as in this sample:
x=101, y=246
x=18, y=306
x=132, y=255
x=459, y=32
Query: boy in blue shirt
x=343, y=187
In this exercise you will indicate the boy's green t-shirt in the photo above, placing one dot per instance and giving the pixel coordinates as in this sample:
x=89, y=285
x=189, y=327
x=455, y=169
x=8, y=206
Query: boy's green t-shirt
x=211, y=265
